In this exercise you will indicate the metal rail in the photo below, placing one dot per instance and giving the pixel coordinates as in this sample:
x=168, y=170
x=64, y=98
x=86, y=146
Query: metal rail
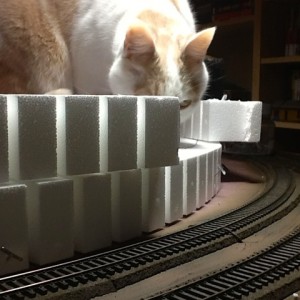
x=245, y=278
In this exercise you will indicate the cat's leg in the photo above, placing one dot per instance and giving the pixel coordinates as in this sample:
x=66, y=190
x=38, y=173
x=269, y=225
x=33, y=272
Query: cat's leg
x=13, y=71
x=51, y=71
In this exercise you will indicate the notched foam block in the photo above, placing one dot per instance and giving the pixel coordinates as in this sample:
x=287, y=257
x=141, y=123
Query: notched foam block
x=227, y=121
x=13, y=229
x=126, y=205
x=3, y=140
x=122, y=133
x=37, y=137
x=153, y=199
x=82, y=134
x=92, y=212
x=161, y=131
x=173, y=193
x=50, y=217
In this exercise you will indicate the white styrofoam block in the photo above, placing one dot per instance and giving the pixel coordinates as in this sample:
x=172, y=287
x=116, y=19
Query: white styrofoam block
x=13, y=229
x=227, y=121
x=32, y=136
x=126, y=204
x=173, y=193
x=159, y=136
x=153, y=199
x=50, y=219
x=189, y=185
x=210, y=175
x=202, y=197
x=92, y=212
x=82, y=134
x=122, y=133
x=3, y=140
x=232, y=120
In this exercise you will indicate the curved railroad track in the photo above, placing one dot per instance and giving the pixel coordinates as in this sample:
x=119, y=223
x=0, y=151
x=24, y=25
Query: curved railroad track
x=105, y=272
x=245, y=278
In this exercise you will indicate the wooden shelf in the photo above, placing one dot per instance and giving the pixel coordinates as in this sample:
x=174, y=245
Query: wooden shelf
x=281, y=60
x=287, y=125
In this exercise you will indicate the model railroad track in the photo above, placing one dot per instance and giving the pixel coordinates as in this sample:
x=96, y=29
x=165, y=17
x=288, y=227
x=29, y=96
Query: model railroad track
x=247, y=277
x=150, y=257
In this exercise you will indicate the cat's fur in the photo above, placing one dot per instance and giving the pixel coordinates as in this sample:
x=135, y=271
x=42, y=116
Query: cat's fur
x=139, y=47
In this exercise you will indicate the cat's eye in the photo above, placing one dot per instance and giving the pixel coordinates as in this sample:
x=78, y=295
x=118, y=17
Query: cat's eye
x=185, y=103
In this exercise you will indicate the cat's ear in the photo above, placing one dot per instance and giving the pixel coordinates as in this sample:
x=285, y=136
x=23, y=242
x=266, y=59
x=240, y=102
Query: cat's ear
x=196, y=48
x=139, y=45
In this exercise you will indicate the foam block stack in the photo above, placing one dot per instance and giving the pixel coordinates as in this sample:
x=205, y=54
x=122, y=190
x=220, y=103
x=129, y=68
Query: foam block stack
x=114, y=168
x=73, y=135
x=224, y=120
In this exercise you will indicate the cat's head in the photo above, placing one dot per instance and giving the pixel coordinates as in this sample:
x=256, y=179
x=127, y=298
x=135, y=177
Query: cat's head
x=162, y=66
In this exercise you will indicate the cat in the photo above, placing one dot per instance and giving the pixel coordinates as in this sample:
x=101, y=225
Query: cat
x=135, y=47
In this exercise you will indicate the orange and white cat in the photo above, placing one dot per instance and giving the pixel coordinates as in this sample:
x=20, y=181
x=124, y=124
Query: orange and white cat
x=137, y=47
